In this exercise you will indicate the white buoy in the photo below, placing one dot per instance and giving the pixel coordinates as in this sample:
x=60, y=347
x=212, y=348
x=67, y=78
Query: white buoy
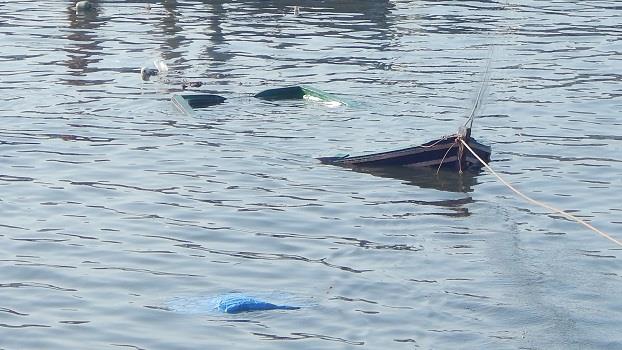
x=296, y=10
x=160, y=69
x=82, y=6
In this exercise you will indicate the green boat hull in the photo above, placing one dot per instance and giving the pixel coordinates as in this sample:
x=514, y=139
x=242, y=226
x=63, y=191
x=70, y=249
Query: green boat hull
x=300, y=92
x=187, y=103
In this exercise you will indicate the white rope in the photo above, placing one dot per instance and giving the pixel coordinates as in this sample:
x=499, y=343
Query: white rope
x=438, y=141
x=541, y=204
x=445, y=156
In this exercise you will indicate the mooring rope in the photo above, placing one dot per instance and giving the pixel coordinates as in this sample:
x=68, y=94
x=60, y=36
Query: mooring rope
x=445, y=156
x=438, y=141
x=541, y=204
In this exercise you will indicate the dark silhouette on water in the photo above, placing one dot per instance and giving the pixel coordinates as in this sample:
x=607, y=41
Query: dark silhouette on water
x=427, y=177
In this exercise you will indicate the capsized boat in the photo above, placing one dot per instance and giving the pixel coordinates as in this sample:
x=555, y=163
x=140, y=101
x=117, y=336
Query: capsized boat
x=446, y=152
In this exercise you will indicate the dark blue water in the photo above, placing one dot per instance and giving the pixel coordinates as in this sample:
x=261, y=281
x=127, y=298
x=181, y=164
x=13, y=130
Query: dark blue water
x=113, y=202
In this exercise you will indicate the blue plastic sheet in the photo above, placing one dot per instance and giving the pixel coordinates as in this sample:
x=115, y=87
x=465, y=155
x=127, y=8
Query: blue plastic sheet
x=236, y=302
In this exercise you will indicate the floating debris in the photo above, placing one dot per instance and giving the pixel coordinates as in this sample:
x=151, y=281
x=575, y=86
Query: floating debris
x=160, y=69
x=186, y=103
x=146, y=73
x=191, y=84
x=236, y=302
x=301, y=92
x=83, y=6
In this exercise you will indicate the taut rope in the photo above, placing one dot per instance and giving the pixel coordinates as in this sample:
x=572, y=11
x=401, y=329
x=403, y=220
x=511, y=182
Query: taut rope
x=541, y=204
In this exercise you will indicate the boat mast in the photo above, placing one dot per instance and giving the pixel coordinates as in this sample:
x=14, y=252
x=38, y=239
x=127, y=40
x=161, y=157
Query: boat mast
x=465, y=131
x=481, y=93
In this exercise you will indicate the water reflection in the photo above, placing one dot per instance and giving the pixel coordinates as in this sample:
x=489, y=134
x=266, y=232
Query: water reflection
x=215, y=34
x=376, y=11
x=171, y=30
x=121, y=202
x=85, y=48
x=266, y=21
x=444, y=180
x=426, y=178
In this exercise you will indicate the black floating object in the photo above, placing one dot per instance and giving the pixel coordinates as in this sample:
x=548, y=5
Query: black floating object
x=146, y=73
x=447, y=152
x=188, y=103
x=191, y=84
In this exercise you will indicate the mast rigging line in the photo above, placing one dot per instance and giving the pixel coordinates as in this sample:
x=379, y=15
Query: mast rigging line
x=482, y=89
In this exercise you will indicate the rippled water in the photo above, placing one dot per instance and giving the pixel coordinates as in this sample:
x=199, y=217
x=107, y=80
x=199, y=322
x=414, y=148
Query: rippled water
x=113, y=202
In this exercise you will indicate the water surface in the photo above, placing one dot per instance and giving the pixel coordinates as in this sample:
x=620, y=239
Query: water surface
x=113, y=202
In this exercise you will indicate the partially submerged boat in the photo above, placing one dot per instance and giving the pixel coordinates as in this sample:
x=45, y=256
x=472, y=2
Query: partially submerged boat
x=299, y=92
x=187, y=103
x=447, y=152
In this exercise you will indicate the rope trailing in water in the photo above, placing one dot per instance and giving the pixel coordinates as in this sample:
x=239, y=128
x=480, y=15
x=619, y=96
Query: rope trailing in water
x=541, y=204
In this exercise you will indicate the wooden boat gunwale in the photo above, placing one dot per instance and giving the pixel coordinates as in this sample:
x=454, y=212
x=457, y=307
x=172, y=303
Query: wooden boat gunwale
x=443, y=152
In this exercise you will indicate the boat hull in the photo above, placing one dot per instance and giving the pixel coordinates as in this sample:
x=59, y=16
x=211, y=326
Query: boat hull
x=299, y=92
x=187, y=103
x=445, y=153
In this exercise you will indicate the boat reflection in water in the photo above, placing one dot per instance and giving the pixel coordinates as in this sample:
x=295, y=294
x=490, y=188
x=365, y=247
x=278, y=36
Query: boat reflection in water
x=454, y=204
x=422, y=165
x=427, y=177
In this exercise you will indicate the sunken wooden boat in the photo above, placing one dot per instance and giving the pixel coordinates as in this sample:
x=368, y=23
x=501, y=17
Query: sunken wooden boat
x=447, y=152
x=427, y=177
